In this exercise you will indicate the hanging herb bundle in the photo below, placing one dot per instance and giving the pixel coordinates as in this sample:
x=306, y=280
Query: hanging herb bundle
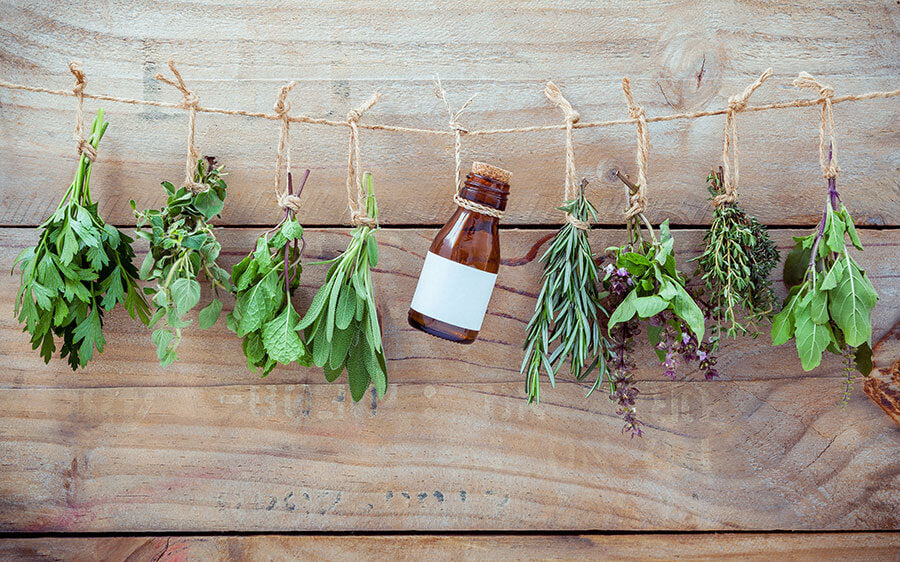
x=735, y=264
x=80, y=268
x=182, y=246
x=568, y=307
x=263, y=283
x=829, y=306
x=341, y=324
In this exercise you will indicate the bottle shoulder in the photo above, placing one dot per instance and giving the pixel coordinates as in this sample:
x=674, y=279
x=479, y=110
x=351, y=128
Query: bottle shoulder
x=471, y=239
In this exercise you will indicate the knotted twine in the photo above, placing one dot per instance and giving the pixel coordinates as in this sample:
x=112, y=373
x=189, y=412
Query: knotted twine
x=190, y=102
x=828, y=163
x=358, y=212
x=555, y=96
x=736, y=103
x=286, y=200
x=638, y=199
x=83, y=147
x=458, y=132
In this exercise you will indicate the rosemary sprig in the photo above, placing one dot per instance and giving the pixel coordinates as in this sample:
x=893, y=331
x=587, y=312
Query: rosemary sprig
x=568, y=308
x=735, y=264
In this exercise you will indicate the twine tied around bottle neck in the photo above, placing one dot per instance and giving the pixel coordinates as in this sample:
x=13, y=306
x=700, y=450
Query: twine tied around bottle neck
x=358, y=213
x=82, y=146
x=286, y=200
x=190, y=102
x=730, y=178
x=458, y=132
x=554, y=94
x=828, y=161
x=638, y=199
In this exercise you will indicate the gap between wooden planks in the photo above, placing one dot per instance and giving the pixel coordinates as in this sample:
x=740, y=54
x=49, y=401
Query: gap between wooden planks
x=720, y=546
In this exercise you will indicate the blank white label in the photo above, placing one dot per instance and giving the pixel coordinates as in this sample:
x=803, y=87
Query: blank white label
x=452, y=292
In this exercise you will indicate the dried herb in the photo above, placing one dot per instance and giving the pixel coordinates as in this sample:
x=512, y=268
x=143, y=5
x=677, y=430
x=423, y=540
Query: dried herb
x=182, y=247
x=644, y=284
x=568, y=309
x=829, y=307
x=263, y=282
x=80, y=268
x=735, y=264
x=341, y=324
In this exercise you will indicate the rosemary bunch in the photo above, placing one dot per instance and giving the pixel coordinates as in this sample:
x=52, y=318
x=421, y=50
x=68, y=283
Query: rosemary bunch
x=568, y=308
x=735, y=264
x=182, y=247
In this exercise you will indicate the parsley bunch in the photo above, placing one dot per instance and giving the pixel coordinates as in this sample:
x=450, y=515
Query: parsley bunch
x=182, y=246
x=80, y=268
x=568, y=308
x=342, y=323
x=829, y=307
x=735, y=264
x=264, y=281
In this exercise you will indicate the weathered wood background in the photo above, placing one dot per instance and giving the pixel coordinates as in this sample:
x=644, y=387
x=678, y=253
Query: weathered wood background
x=206, y=446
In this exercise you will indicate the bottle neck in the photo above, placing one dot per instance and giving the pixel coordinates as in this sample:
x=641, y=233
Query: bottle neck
x=485, y=191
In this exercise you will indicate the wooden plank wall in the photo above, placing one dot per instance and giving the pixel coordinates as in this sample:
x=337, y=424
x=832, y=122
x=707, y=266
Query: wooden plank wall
x=204, y=446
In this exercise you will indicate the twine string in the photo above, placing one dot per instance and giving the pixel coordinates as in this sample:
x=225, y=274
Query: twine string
x=191, y=103
x=736, y=104
x=571, y=116
x=828, y=161
x=82, y=146
x=458, y=132
x=638, y=198
x=358, y=211
x=286, y=200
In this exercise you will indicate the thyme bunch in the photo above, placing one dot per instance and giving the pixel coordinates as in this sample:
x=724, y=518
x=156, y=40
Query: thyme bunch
x=737, y=258
x=568, y=309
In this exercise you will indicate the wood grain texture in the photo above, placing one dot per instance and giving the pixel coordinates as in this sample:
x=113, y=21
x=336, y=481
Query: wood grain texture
x=444, y=456
x=870, y=547
x=214, y=357
x=680, y=56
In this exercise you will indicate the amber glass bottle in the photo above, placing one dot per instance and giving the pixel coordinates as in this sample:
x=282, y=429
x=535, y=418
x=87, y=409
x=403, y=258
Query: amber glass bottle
x=461, y=266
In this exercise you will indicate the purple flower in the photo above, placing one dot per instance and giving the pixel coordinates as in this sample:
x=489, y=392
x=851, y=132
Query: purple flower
x=622, y=272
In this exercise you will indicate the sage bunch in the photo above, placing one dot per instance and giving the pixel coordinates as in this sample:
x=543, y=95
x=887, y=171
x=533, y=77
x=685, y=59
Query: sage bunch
x=341, y=325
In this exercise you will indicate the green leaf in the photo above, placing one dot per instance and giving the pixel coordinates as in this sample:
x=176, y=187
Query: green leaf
x=90, y=333
x=315, y=307
x=185, y=294
x=372, y=249
x=650, y=306
x=818, y=306
x=161, y=339
x=208, y=203
x=797, y=262
x=851, y=303
x=281, y=339
x=346, y=307
x=686, y=309
x=834, y=231
x=863, y=359
x=262, y=253
x=209, y=314
x=291, y=230
x=851, y=228
x=625, y=311
x=834, y=275
x=812, y=340
x=783, y=323
x=194, y=241
x=357, y=375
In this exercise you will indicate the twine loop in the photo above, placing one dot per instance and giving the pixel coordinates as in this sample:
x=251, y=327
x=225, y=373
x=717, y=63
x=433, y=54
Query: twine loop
x=285, y=199
x=82, y=146
x=189, y=101
x=358, y=213
x=554, y=94
x=828, y=162
x=638, y=199
x=736, y=104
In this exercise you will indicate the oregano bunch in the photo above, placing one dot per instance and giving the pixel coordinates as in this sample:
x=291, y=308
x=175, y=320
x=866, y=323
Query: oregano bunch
x=568, y=309
x=341, y=324
x=263, y=283
x=80, y=268
x=183, y=246
x=829, y=306
x=737, y=257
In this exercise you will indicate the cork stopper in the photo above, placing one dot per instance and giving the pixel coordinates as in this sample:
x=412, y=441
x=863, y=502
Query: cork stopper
x=492, y=172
